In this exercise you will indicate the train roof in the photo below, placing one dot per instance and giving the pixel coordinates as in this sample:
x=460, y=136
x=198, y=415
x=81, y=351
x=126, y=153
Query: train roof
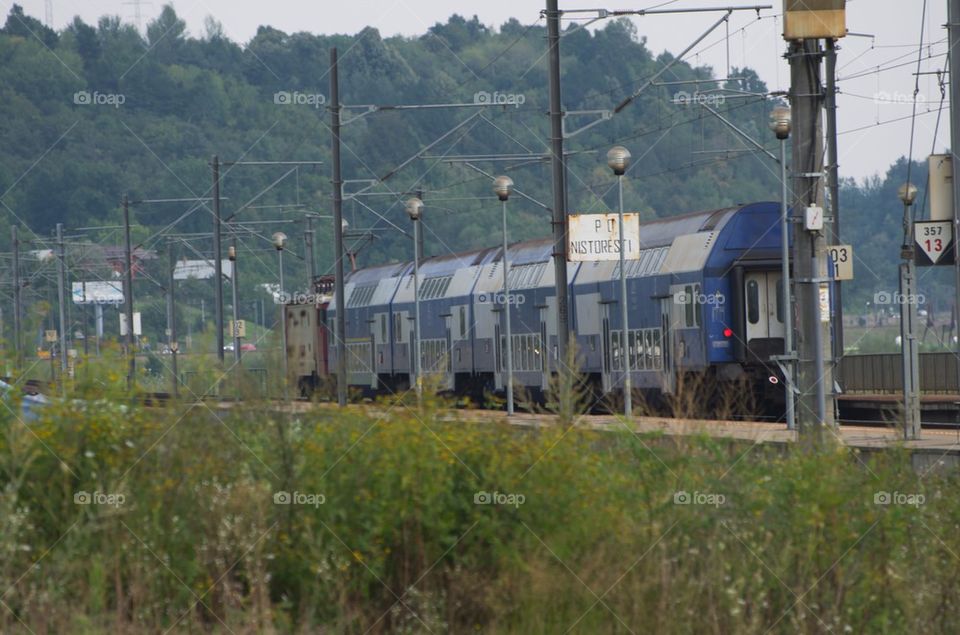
x=656, y=233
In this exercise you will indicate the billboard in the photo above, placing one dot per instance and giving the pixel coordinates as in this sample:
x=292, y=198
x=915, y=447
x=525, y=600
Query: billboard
x=200, y=269
x=98, y=292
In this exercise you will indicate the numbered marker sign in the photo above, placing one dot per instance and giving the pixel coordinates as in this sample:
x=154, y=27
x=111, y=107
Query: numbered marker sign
x=934, y=242
x=841, y=259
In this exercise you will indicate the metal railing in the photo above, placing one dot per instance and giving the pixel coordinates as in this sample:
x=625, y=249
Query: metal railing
x=882, y=373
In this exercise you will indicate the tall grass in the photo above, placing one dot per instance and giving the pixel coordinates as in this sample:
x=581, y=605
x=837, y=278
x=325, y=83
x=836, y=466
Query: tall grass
x=394, y=518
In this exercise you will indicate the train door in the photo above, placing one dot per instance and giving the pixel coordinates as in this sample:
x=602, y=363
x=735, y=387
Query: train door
x=668, y=350
x=763, y=309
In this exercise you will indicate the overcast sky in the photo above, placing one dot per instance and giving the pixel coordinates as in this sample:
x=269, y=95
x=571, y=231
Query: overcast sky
x=868, y=98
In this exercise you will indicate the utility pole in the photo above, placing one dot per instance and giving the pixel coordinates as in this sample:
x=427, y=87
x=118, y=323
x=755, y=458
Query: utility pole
x=815, y=377
x=217, y=262
x=62, y=302
x=341, y=330
x=953, y=31
x=128, y=294
x=833, y=174
x=17, y=309
x=559, y=185
x=172, y=322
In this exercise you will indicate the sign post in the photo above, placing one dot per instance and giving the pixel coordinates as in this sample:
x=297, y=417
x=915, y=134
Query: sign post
x=841, y=261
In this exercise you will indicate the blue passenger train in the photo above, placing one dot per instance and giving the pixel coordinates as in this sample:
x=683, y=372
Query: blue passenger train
x=704, y=298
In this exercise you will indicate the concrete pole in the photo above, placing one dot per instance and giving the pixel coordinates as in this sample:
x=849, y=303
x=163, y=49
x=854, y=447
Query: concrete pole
x=506, y=309
x=910, y=358
x=815, y=376
x=128, y=295
x=559, y=186
x=234, y=282
x=308, y=237
x=172, y=324
x=417, y=370
x=62, y=302
x=17, y=308
x=283, y=329
x=833, y=183
x=341, y=316
x=625, y=314
x=787, y=287
x=953, y=32
x=217, y=258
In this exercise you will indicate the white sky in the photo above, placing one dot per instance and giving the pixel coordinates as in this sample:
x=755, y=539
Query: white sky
x=867, y=100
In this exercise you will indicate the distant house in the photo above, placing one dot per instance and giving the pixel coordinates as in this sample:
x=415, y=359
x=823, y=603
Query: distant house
x=115, y=258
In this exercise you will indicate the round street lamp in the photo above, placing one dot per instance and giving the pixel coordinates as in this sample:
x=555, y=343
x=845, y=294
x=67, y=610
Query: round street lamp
x=907, y=193
x=279, y=240
x=618, y=159
x=781, y=123
x=414, y=207
x=503, y=186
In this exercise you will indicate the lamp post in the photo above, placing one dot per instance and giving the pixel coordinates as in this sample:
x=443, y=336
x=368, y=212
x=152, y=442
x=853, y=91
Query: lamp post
x=502, y=186
x=279, y=242
x=908, y=319
x=780, y=123
x=618, y=158
x=232, y=255
x=414, y=208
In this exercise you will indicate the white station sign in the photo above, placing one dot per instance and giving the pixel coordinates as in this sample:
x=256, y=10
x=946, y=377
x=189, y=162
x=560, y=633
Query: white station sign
x=597, y=237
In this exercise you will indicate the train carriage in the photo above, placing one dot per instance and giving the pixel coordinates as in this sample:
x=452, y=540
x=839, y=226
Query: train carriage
x=704, y=298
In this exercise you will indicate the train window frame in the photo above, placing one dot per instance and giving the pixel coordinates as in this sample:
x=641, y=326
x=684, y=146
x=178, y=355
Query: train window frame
x=752, y=299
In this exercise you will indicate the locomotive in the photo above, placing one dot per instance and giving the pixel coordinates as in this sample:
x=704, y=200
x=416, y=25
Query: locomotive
x=704, y=297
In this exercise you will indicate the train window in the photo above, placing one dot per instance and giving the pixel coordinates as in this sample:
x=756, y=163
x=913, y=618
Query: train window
x=397, y=330
x=383, y=327
x=753, y=301
x=689, y=308
x=463, y=321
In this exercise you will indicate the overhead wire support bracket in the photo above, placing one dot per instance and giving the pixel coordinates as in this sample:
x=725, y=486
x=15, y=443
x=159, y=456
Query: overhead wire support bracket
x=602, y=115
x=367, y=109
x=741, y=133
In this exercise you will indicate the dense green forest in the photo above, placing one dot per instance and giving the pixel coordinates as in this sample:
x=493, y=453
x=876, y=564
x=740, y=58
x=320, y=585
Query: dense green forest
x=95, y=111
